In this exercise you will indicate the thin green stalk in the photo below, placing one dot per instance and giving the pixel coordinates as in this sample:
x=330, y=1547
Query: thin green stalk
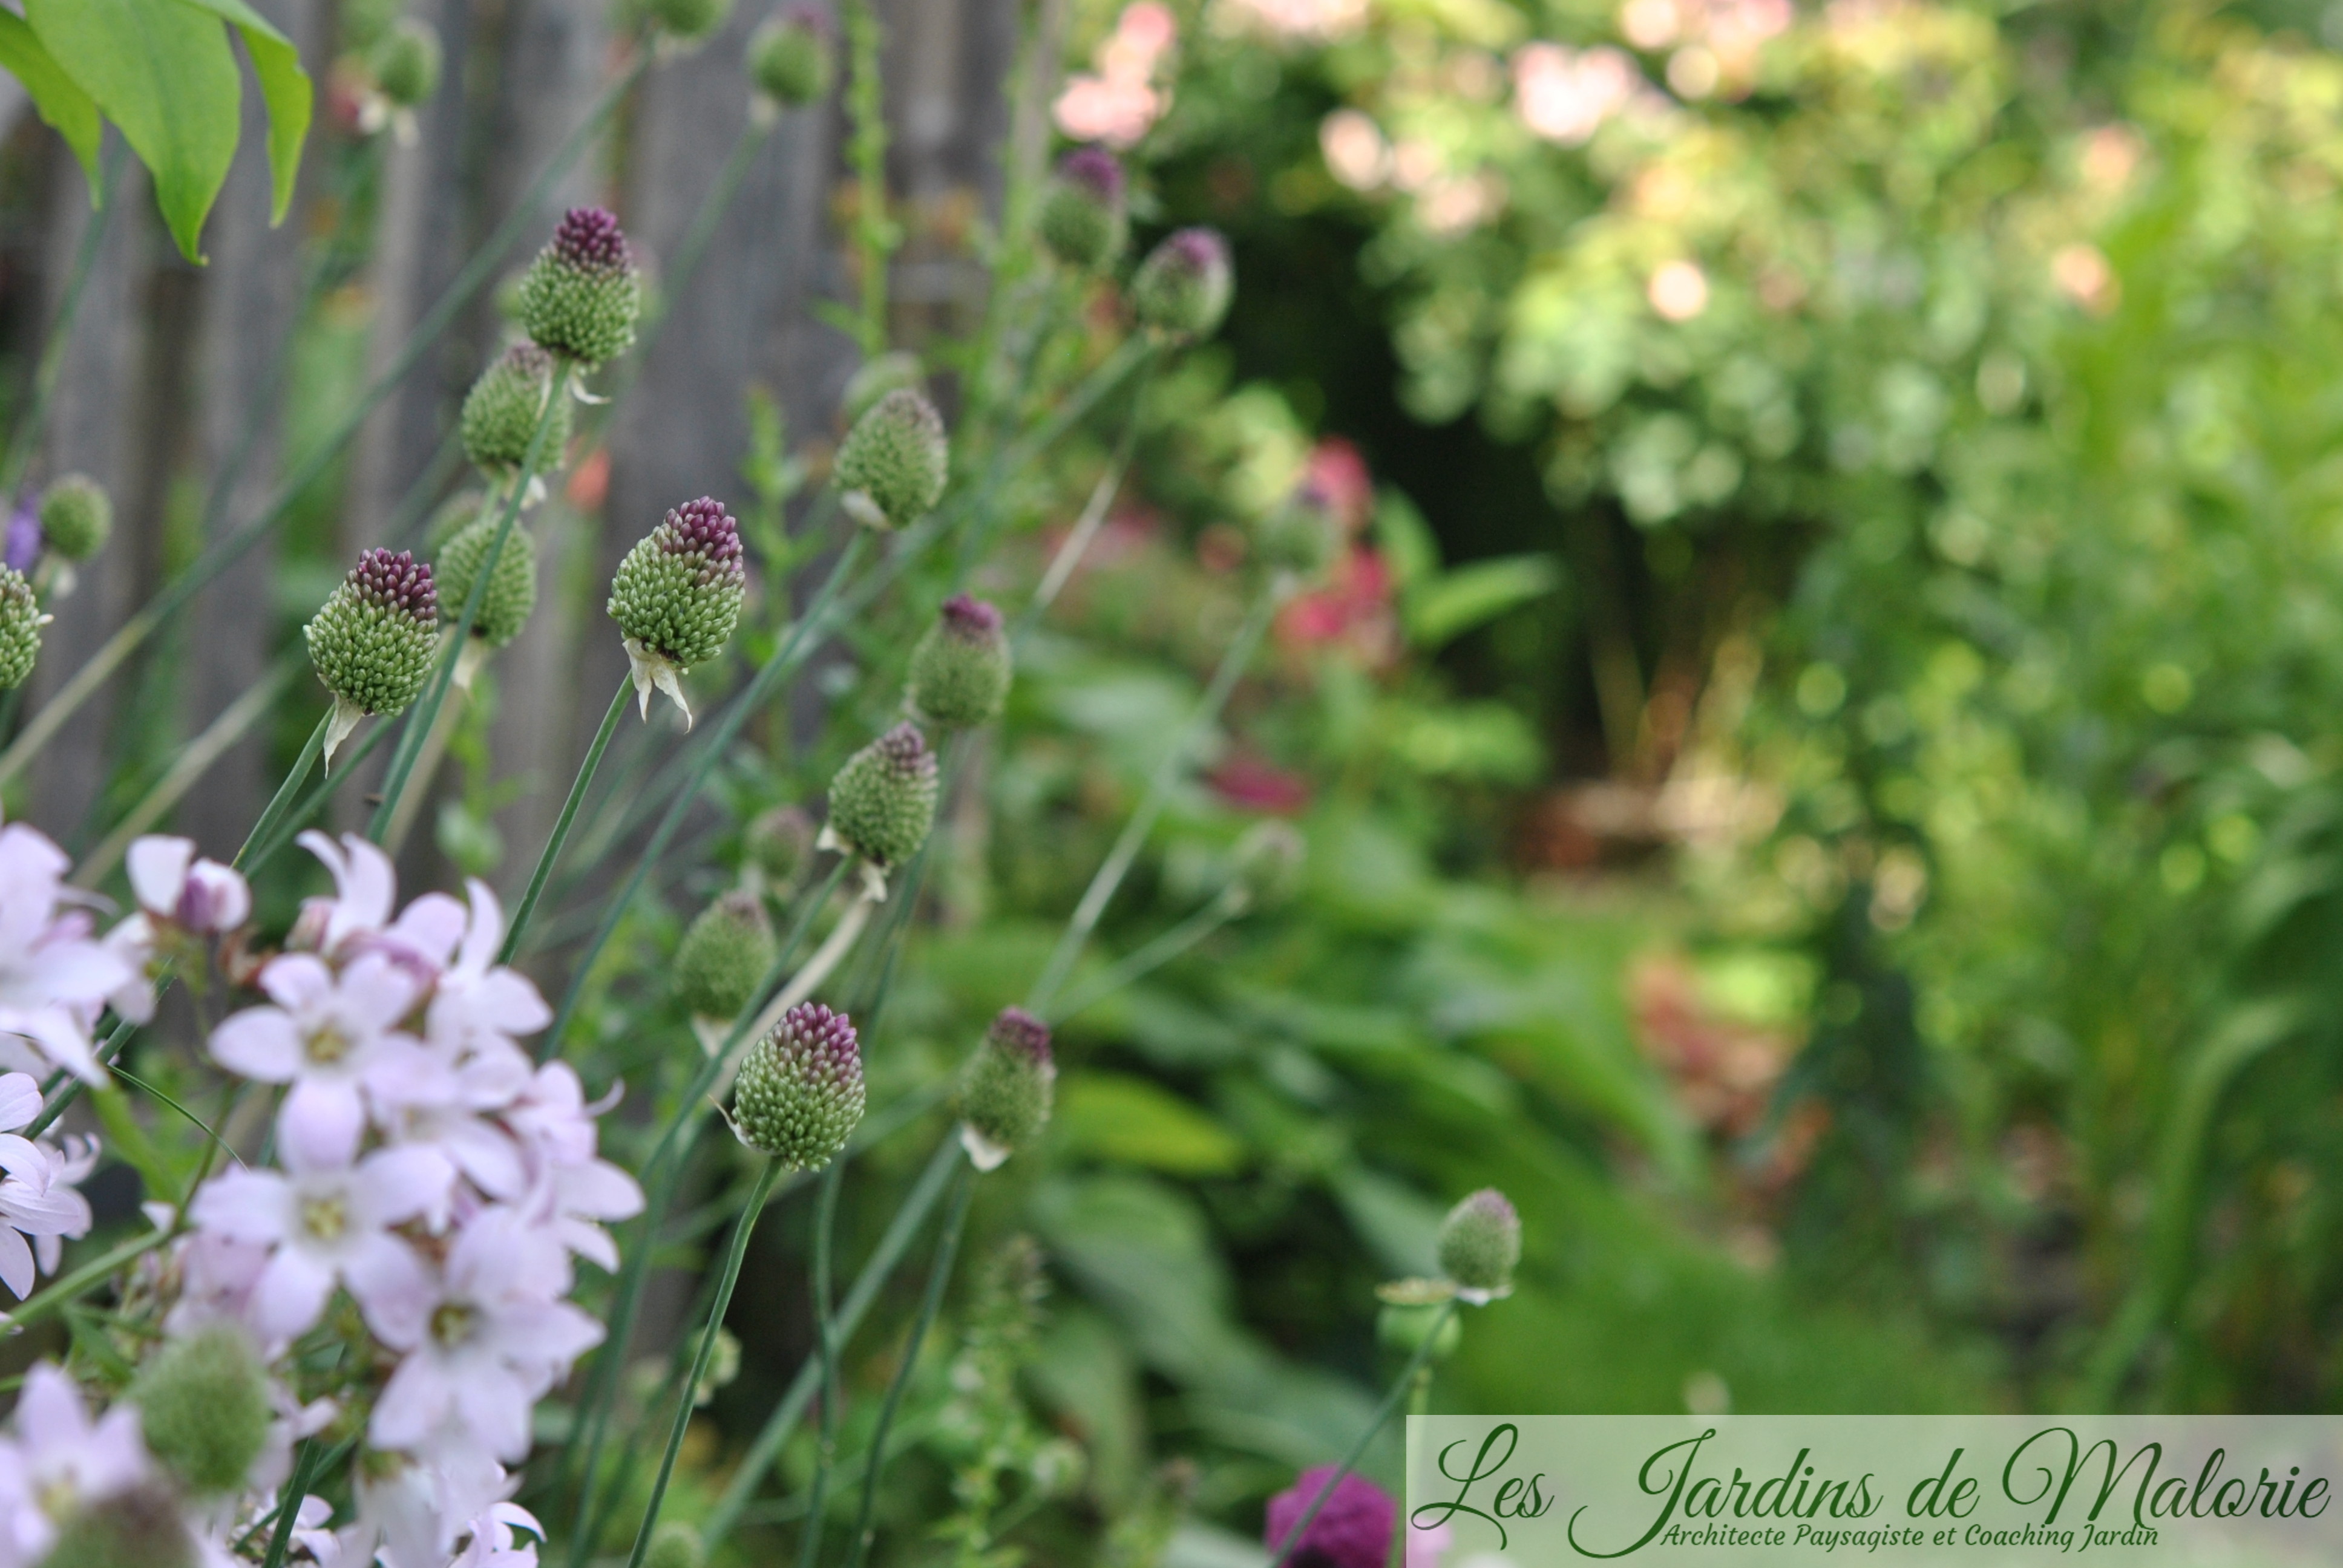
x=1118, y=862
x=35, y=416
x=824, y=1226
x=274, y=812
x=874, y=235
x=786, y=1415
x=66, y=1287
x=224, y=552
x=527, y=908
x=289, y=1507
x=730, y=1277
x=938, y=1276
x=1153, y=956
x=308, y=805
x=1398, y=1390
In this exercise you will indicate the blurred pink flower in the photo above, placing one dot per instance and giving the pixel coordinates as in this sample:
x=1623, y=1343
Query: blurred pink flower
x=1352, y=611
x=1312, y=21
x=1117, y=104
x=1339, y=477
x=2082, y=274
x=1426, y=1543
x=1564, y=95
x=1250, y=784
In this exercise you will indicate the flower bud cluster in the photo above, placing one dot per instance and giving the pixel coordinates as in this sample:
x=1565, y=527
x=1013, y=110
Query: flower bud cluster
x=1183, y=287
x=580, y=297
x=882, y=802
x=501, y=411
x=1083, y=220
x=960, y=668
x=371, y=642
x=77, y=516
x=800, y=1093
x=792, y=60
x=892, y=465
x=1006, y=1093
x=724, y=954
x=676, y=595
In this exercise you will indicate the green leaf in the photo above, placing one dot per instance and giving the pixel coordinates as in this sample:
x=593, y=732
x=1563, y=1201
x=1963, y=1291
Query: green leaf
x=56, y=96
x=1407, y=540
x=1132, y=1121
x=284, y=88
x=162, y=70
x=1455, y=602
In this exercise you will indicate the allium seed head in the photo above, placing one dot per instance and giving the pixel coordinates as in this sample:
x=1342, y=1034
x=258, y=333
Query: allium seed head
x=800, y=1091
x=960, y=668
x=883, y=800
x=372, y=641
x=501, y=411
x=580, y=297
x=892, y=465
x=1182, y=288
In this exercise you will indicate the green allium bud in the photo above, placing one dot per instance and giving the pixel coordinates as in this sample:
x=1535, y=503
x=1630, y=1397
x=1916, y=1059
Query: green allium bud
x=372, y=641
x=676, y=595
x=723, y=954
x=800, y=1091
x=21, y=621
x=892, y=465
x=364, y=22
x=1267, y=862
x=779, y=842
x=675, y=1544
x=1082, y=218
x=512, y=588
x=140, y=1528
x=688, y=20
x=76, y=516
x=405, y=64
x=960, y=668
x=791, y=60
x=501, y=411
x=874, y=379
x=203, y=1405
x=449, y=519
x=1480, y=1242
x=883, y=801
x=1004, y=1098
x=1301, y=537
x=579, y=296
x=1182, y=288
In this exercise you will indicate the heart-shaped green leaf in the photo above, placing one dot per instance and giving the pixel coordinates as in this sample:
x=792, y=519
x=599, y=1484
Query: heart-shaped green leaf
x=59, y=100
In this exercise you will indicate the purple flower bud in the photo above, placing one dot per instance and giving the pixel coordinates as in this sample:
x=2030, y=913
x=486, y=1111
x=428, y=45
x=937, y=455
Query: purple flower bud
x=23, y=541
x=591, y=240
x=1353, y=1529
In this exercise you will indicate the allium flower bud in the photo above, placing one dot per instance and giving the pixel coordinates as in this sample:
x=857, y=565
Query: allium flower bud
x=676, y=597
x=960, y=668
x=1004, y=1099
x=874, y=379
x=791, y=60
x=140, y=1528
x=371, y=643
x=76, y=516
x=405, y=64
x=1182, y=288
x=688, y=20
x=501, y=411
x=800, y=1094
x=21, y=621
x=1353, y=1530
x=512, y=586
x=883, y=801
x=1302, y=536
x=450, y=518
x=723, y=954
x=779, y=842
x=580, y=296
x=1480, y=1242
x=1082, y=218
x=675, y=1544
x=892, y=465
x=1267, y=862
x=203, y=1405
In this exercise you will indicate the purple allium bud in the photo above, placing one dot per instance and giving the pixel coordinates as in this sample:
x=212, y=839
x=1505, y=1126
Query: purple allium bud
x=961, y=669
x=800, y=1093
x=589, y=239
x=372, y=641
x=1183, y=287
x=1005, y=1097
x=579, y=296
x=1480, y=1242
x=501, y=411
x=1084, y=218
x=1353, y=1529
x=676, y=595
x=883, y=800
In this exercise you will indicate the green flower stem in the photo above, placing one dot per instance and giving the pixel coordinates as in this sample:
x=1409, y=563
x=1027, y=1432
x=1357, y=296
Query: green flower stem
x=803, y=638
x=35, y=416
x=194, y=761
x=1118, y=862
x=307, y=807
x=72, y=1286
x=782, y=1422
x=1085, y=530
x=874, y=235
x=417, y=731
x=683, y=1406
x=527, y=908
x=274, y=812
x=1146, y=959
x=938, y=1276
x=224, y=552
x=289, y=1507
x=825, y=1226
x=1400, y=1389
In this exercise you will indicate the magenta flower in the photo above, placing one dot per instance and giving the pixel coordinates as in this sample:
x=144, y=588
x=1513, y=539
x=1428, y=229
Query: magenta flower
x=1353, y=1529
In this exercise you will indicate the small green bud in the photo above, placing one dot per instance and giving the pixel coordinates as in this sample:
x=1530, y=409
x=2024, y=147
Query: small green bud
x=450, y=518
x=501, y=411
x=512, y=588
x=675, y=1544
x=1182, y=288
x=676, y=595
x=371, y=643
x=76, y=516
x=1267, y=863
x=1300, y=537
x=800, y=1093
x=883, y=801
x=405, y=64
x=580, y=296
x=364, y=22
x=688, y=21
x=1082, y=218
x=724, y=953
x=892, y=465
x=779, y=842
x=140, y=1528
x=790, y=59
x=960, y=668
x=1480, y=1242
x=21, y=621
x=874, y=379
x=203, y=1405
x=1004, y=1098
